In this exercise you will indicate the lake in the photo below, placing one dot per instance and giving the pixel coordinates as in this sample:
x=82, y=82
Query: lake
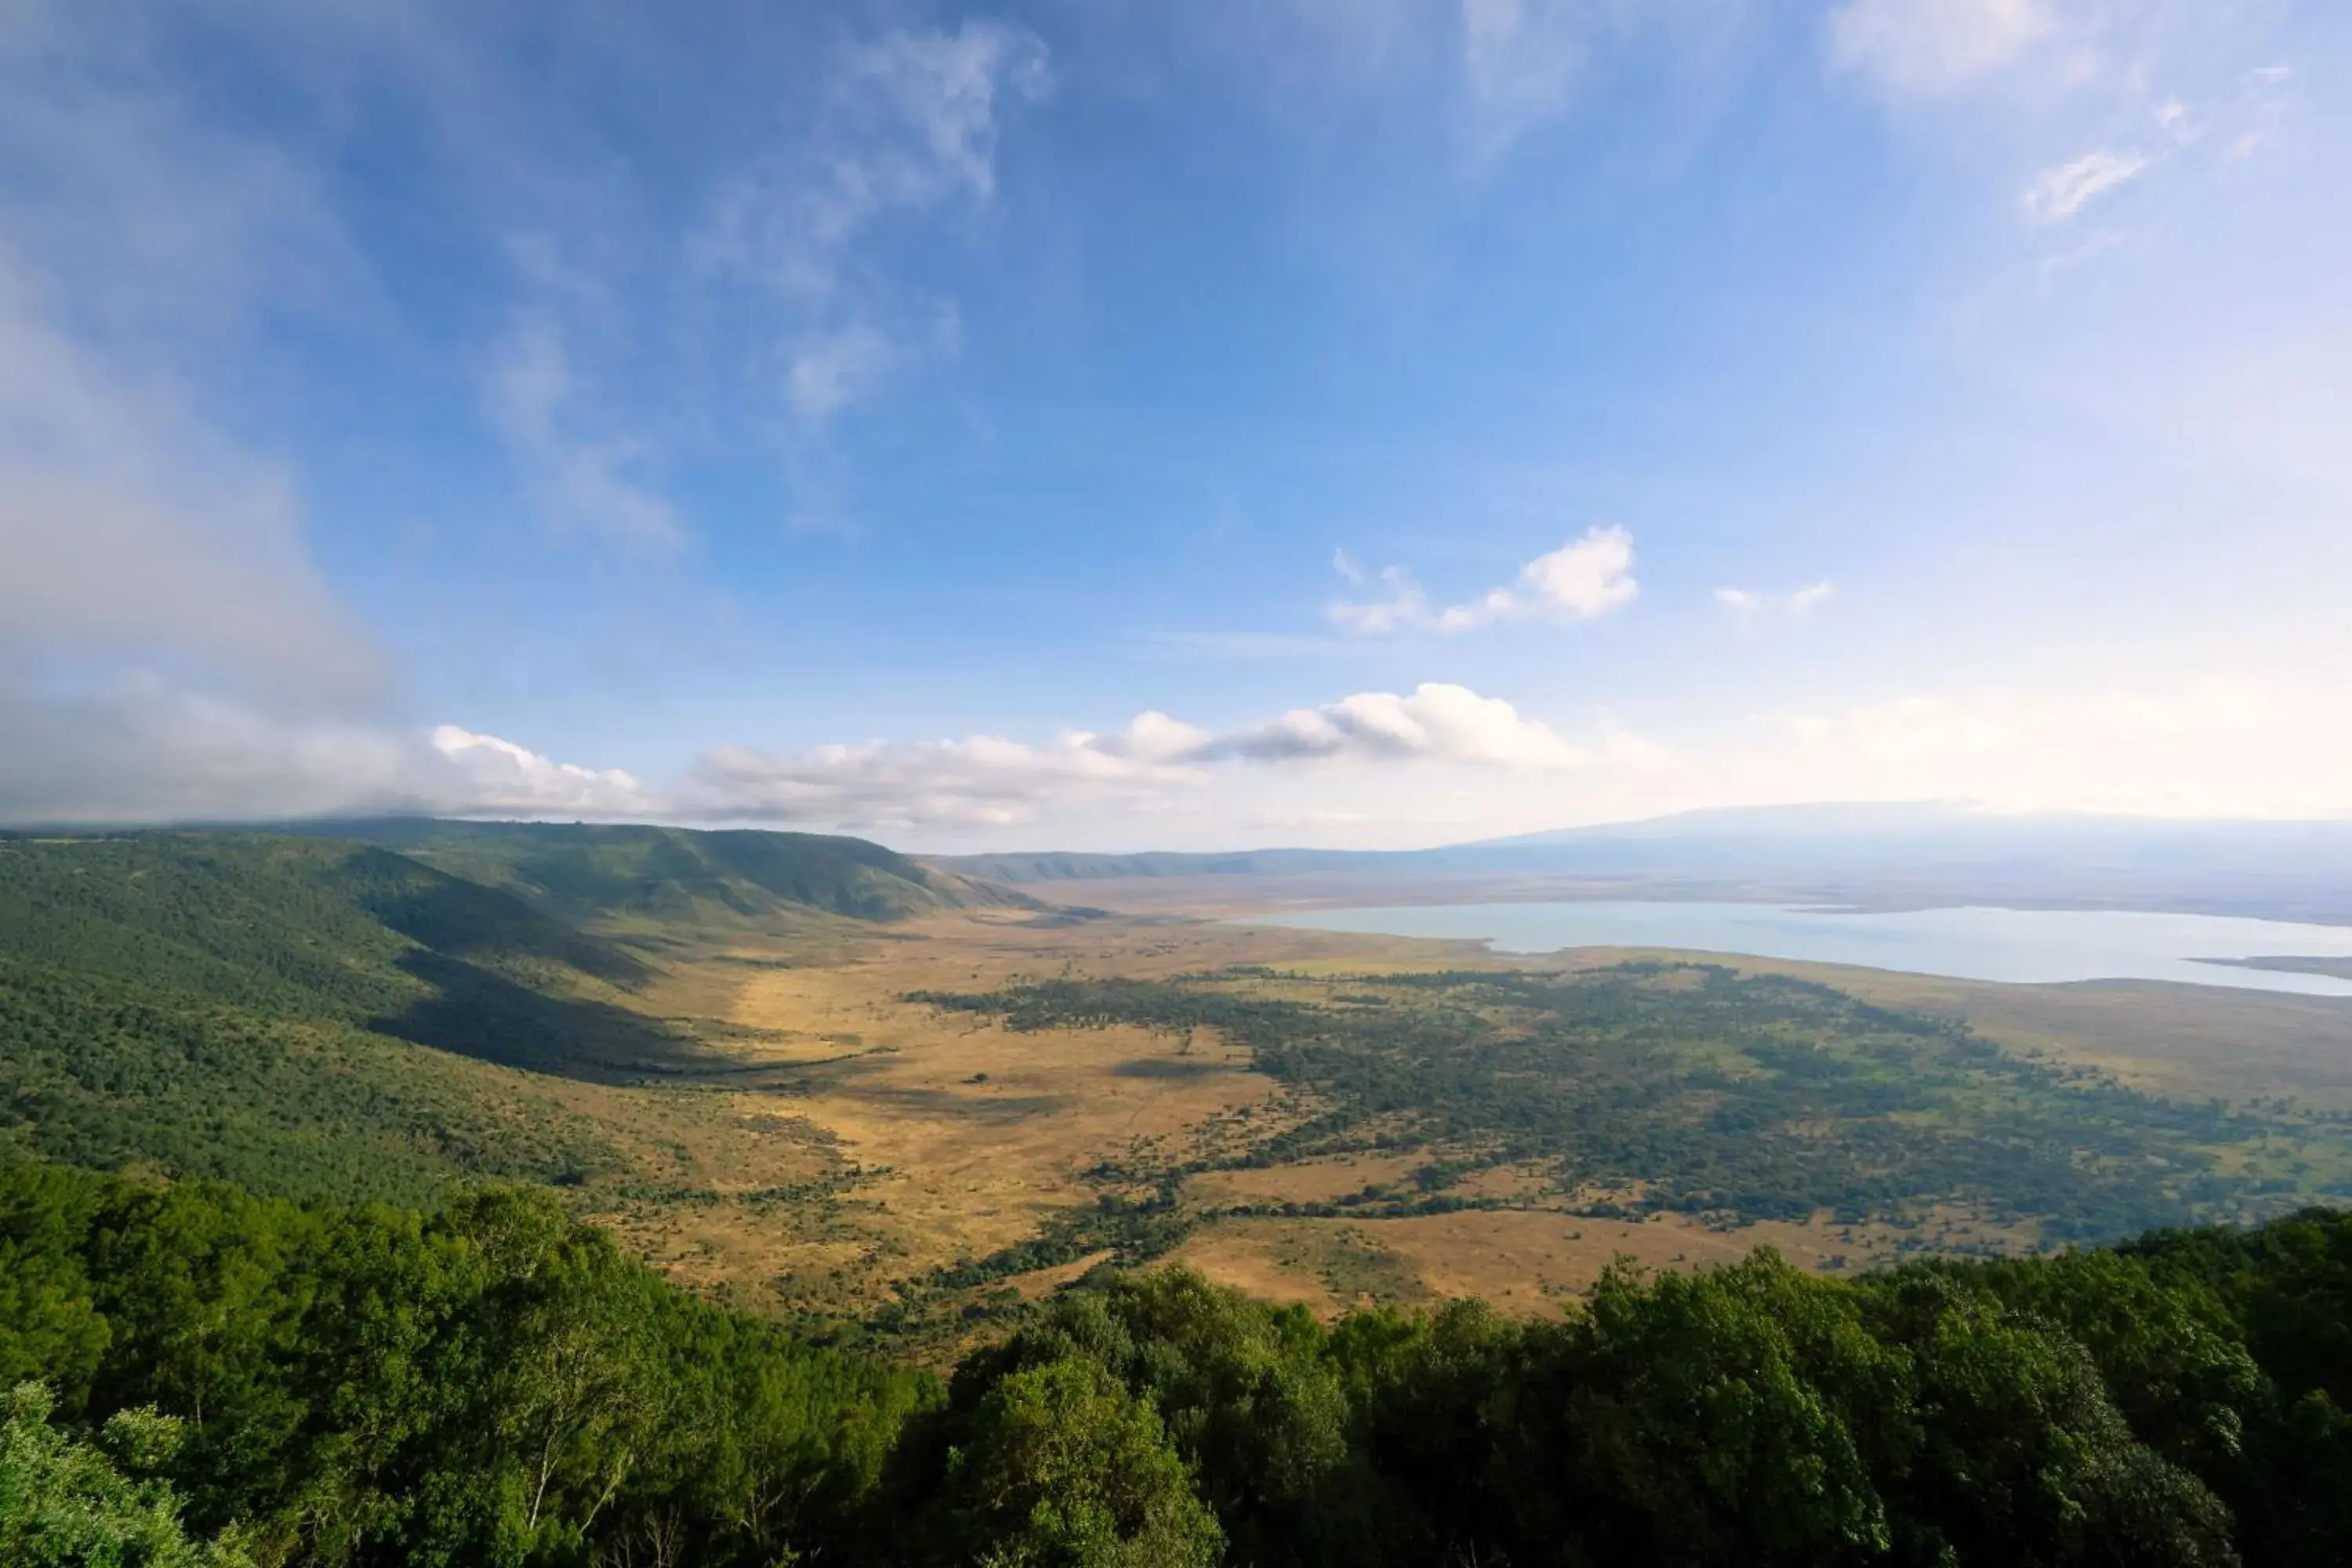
x=2033, y=946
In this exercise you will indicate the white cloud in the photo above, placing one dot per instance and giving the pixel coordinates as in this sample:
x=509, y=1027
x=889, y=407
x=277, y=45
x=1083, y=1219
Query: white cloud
x=499, y=776
x=1587, y=577
x=910, y=127
x=1933, y=48
x=1436, y=722
x=1748, y=606
x=583, y=482
x=2059, y=193
x=1582, y=580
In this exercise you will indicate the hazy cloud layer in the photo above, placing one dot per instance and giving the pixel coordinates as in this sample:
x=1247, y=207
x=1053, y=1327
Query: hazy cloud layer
x=129, y=527
x=139, y=751
x=135, y=749
x=2215, y=746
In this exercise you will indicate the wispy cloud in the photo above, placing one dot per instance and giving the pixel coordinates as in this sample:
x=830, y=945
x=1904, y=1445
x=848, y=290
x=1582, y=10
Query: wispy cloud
x=2059, y=193
x=1583, y=579
x=1521, y=60
x=1933, y=48
x=584, y=483
x=1749, y=605
x=908, y=128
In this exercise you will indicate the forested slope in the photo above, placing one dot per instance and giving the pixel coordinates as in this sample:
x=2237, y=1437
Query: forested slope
x=489, y=1382
x=586, y=871
x=249, y=1005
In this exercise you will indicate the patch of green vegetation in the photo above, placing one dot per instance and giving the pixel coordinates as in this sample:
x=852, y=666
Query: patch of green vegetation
x=1694, y=1089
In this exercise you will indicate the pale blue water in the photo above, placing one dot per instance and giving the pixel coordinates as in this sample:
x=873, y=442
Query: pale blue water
x=2040, y=945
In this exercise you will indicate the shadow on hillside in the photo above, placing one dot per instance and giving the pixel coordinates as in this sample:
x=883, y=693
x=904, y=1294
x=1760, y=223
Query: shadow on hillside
x=477, y=1013
x=464, y=920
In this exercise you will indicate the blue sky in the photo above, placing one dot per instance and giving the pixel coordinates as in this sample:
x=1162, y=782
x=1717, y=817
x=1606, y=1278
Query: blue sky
x=1368, y=422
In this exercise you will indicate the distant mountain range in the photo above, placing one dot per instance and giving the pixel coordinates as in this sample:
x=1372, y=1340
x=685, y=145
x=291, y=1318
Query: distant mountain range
x=1923, y=853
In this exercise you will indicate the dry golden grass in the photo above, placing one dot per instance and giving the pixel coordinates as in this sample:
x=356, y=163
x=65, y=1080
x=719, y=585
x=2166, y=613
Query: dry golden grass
x=1522, y=1260
x=1316, y=1181
x=947, y=1138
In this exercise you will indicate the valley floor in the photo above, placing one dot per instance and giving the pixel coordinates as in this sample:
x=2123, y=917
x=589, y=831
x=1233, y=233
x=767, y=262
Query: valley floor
x=855, y=1149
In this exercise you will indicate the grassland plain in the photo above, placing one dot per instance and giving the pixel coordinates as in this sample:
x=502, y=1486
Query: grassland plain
x=991, y=1150
x=762, y=1108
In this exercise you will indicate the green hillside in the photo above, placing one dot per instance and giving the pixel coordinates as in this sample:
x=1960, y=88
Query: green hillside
x=635, y=873
x=250, y=1006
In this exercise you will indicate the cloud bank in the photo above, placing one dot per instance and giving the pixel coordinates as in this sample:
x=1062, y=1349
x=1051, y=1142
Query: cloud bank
x=139, y=752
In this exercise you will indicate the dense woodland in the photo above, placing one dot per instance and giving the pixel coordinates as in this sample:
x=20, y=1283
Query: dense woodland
x=247, y=1006
x=195, y=1375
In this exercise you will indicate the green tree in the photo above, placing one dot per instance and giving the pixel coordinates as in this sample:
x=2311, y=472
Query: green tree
x=1703, y=1418
x=1065, y=1469
x=69, y=1504
x=2008, y=1449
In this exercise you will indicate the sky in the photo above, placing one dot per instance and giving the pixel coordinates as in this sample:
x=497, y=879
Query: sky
x=1087, y=424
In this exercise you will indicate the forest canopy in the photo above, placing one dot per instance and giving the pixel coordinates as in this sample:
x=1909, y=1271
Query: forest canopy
x=202, y=1376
